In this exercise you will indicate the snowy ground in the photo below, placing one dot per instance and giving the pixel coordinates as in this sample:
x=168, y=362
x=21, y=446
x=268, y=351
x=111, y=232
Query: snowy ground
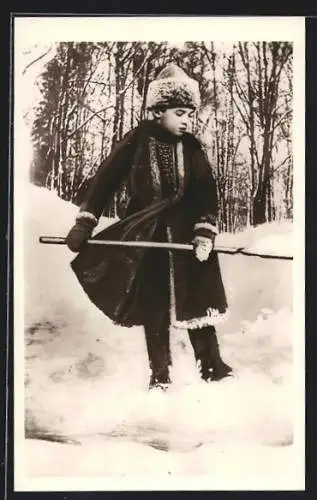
x=85, y=380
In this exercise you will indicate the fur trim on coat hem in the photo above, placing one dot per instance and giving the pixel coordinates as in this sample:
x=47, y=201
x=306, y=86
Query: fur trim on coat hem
x=213, y=317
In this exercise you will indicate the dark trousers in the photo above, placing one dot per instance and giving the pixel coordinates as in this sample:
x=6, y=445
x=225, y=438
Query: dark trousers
x=157, y=336
x=206, y=350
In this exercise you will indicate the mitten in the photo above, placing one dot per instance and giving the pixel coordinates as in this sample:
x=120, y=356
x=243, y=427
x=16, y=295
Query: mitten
x=203, y=246
x=205, y=231
x=81, y=231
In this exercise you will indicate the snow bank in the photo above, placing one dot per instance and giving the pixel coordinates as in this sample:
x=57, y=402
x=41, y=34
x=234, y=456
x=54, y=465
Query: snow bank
x=272, y=238
x=86, y=378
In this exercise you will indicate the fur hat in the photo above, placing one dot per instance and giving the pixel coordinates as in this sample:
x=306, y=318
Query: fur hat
x=173, y=88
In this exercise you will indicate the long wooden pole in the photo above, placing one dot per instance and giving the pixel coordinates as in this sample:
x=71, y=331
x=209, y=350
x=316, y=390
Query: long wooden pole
x=56, y=240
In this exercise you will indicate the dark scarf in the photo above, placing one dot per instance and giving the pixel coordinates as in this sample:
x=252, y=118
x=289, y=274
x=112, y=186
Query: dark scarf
x=163, y=153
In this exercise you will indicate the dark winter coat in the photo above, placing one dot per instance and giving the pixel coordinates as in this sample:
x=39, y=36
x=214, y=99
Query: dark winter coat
x=171, y=189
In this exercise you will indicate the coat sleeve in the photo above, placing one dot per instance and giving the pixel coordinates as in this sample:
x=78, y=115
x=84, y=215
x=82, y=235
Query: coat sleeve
x=111, y=173
x=205, y=197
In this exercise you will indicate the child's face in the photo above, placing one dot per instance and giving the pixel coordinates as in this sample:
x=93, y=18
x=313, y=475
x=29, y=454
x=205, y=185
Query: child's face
x=176, y=120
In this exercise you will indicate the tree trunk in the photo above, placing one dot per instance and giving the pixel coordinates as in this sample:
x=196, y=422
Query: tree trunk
x=259, y=207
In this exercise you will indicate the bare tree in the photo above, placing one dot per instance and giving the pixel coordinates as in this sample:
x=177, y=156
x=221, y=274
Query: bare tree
x=257, y=102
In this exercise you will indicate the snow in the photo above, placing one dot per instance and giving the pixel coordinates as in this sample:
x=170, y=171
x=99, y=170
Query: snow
x=272, y=238
x=86, y=379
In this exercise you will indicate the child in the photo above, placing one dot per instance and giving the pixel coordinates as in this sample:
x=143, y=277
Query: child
x=172, y=198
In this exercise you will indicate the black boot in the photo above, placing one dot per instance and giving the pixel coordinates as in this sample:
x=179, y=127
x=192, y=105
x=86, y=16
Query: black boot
x=207, y=354
x=220, y=368
x=159, y=354
x=161, y=381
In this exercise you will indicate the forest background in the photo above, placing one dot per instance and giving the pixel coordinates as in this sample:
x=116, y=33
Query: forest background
x=93, y=93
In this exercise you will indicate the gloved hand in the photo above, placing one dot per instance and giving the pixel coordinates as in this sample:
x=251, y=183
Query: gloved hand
x=203, y=246
x=79, y=234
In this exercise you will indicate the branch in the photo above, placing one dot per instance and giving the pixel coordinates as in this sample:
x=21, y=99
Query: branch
x=281, y=104
x=242, y=55
x=240, y=93
x=273, y=171
x=96, y=113
x=69, y=114
x=93, y=70
x=35, y=61
x=206, y=52
x=281, y=120
x=149, y=55
x=238, y=87
x=127, y=55
x=241, y=114
x=95, y=82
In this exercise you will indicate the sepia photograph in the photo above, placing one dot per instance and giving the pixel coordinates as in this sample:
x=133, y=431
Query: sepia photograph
x=159, y=173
